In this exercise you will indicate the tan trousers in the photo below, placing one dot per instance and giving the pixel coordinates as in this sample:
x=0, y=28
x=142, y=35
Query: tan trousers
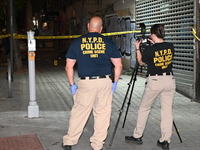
x=163, y=86
x=96, y=95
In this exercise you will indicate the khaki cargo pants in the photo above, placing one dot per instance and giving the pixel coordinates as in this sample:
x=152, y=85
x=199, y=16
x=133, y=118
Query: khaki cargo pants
x=163, y=86
x=96, y=95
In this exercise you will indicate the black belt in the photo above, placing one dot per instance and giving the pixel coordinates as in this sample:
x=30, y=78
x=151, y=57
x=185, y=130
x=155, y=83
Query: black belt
x=161, y=74
x=93, y=77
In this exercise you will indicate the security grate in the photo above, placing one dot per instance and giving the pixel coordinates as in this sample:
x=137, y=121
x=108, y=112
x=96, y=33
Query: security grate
x=178, y=17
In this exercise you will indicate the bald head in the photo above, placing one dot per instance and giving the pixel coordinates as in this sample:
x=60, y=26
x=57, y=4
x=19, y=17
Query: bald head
x=95, y=24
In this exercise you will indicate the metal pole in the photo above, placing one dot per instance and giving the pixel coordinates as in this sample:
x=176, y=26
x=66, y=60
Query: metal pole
x=9, y=76
x=11, y=34
x=10, y=71
x=33, y=108
x=197, y=53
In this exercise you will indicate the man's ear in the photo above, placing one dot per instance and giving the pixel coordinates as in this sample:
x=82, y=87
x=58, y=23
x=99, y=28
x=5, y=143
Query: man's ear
x=101, y=29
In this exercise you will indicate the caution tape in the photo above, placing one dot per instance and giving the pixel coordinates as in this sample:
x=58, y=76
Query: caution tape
x=4, y=36
x=74, y=36
x=15, y=36
x=194, y=33
x=66, y=37
x=120, y=33
x=48, y=37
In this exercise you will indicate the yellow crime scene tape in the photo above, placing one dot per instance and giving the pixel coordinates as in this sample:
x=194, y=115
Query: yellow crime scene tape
x=4, y=36
x=76, y=36
x=66, y=37
x=194, y=33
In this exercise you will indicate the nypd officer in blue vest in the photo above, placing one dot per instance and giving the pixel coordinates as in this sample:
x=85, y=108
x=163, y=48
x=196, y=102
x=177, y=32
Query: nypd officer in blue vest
x=95, y=56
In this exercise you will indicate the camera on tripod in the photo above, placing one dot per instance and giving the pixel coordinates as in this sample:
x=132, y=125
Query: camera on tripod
x=144, y=39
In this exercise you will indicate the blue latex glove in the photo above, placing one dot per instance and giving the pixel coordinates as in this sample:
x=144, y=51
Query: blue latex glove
x=73, y=89
x=114, y=86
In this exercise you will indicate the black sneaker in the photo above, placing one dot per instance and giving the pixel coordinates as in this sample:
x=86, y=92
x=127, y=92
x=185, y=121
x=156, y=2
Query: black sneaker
x=131, y=139
x=67, y=147
x=164, y=145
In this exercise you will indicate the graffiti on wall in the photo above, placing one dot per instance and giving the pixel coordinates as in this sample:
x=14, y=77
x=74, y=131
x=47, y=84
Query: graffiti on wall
x=124, y=42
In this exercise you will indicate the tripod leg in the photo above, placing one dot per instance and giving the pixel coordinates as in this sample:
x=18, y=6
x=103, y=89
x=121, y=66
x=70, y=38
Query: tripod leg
x=177, y=132
x=129, y=102
x=121, y=110
x=113, y=135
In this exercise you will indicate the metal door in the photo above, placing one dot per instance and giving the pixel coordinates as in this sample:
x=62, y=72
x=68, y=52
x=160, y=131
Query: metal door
x=178, y=17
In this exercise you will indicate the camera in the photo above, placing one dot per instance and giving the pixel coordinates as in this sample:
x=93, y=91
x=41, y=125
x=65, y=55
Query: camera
x=144, y=40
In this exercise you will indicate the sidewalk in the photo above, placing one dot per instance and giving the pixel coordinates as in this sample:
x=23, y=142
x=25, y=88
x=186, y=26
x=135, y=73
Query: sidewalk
x=55, y=101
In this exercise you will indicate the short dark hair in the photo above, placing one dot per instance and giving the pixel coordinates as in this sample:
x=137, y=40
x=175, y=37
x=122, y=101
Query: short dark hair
x=158, y=30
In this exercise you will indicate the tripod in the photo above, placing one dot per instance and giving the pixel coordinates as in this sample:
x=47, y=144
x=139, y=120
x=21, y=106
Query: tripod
x=133, y=79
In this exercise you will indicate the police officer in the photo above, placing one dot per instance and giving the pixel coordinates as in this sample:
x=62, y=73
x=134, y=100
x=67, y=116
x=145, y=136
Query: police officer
x=95, y=55
x=160, y=81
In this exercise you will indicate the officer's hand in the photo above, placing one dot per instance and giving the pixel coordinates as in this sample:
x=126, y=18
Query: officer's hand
x=150, y=40
x=114, y=86
x=73, y=89
x=137, y=44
